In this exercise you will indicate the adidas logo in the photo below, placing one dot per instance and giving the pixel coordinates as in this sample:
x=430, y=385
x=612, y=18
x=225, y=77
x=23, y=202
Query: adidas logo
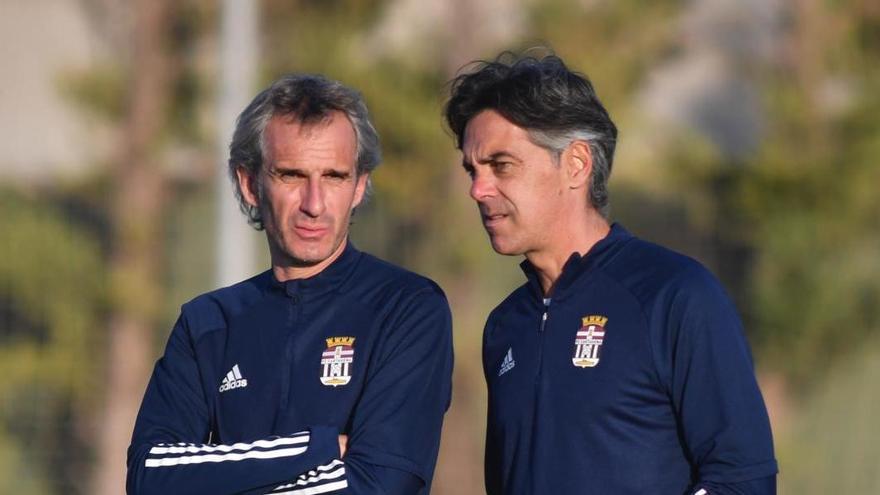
x=508, y=362
x=233, y=380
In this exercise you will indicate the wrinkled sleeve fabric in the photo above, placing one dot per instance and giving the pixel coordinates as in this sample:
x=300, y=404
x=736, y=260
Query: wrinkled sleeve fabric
x=170, y=450
x=705, y=361
x=395, y=428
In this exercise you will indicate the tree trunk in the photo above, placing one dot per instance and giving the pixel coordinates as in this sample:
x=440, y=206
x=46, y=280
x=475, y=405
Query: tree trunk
x=137, y=245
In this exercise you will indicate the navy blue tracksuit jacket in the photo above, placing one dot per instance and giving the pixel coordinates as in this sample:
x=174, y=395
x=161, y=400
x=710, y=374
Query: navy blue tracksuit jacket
x=634, y=378
x=258, y=379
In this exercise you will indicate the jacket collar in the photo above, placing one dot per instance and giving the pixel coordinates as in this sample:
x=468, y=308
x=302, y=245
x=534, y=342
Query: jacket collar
x=577, y=265
x=329, y=279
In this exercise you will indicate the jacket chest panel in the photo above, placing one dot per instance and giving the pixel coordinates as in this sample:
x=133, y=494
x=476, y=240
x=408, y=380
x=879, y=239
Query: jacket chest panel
x=299, y=366
x=592, y=359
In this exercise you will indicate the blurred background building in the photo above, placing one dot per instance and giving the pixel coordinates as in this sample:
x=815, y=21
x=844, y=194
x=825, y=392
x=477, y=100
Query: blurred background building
x=749, y=139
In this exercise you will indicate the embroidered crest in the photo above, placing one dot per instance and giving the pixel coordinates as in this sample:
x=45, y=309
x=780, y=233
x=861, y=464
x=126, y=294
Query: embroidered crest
x=588, y=341
x=336, y=361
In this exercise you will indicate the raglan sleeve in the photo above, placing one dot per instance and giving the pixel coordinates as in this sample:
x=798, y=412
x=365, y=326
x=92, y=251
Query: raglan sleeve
x=714, y=391
x=492, y=462
x=394, y=436
x=170, y=451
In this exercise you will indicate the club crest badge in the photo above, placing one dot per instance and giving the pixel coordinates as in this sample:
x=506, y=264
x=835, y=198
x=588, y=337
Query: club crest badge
x=588, y=341
x=336, y=361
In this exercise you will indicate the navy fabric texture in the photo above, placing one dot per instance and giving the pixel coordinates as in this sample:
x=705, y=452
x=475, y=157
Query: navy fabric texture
x=634, y=377
x=259, y=378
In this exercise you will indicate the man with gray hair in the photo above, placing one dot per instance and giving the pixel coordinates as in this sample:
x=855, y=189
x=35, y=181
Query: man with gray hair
x=620, y=367
x=328, y=373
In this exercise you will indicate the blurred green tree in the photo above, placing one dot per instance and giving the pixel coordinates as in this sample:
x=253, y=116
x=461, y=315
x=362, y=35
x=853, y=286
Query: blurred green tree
x=52, y=295
x=812, y=194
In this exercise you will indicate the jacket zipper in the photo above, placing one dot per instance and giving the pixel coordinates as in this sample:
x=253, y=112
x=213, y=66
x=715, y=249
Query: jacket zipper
x=293, y=317
x=544, y=318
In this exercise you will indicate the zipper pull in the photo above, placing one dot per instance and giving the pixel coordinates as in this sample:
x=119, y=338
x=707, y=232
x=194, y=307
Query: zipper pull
x=546, y=302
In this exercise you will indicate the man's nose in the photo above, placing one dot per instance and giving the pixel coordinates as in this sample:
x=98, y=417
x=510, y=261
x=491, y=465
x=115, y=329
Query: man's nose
x=482, y=186
x=313, y=198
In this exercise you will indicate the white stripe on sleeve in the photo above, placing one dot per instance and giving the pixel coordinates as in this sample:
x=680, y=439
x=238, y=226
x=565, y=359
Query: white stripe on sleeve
x=195, y=449
x=164, y=455
x=322, y=479
x=199, y=459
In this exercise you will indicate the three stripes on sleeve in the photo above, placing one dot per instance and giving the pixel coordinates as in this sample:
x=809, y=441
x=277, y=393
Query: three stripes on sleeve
x=323, y=479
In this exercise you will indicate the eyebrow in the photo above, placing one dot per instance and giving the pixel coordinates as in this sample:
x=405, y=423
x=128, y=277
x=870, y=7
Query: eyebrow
x=274, y=168
x=494, y=157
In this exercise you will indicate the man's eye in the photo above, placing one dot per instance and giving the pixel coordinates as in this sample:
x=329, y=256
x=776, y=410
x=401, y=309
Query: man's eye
x=336, y=176
x=500, y=166
x=288, y=176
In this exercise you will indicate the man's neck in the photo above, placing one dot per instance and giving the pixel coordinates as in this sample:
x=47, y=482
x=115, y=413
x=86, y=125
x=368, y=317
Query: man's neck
x=548, y=263
x=286, y=269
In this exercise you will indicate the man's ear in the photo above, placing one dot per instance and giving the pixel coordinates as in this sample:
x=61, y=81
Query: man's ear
x=579, y=164
x=360, y=189
x=247, y=182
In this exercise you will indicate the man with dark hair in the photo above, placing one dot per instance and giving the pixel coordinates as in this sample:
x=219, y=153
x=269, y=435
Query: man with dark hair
x=620, y=367
x=328, y=373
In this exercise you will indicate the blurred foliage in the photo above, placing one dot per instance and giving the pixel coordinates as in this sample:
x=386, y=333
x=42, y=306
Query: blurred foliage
x=614, y=43
x=817, y=272
x=831, y=446
x=99, y=92
x=17, y=475
x=800, y=216
x=51, y=300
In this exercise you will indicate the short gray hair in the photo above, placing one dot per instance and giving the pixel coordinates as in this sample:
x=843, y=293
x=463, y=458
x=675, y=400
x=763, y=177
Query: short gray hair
x=308, y=98
x=557, y=141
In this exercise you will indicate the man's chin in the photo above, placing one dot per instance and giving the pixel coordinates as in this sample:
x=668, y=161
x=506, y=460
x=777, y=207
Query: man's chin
x=300, y=262
x=310, y=255
x=305, y=260
x=503, y=248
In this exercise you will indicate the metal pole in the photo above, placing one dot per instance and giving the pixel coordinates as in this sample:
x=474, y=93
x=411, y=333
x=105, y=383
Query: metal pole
x=236, y=241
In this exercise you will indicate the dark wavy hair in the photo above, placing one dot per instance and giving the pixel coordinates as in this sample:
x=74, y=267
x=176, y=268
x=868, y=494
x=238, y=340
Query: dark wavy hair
x=308, y=98
x=555, y=105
